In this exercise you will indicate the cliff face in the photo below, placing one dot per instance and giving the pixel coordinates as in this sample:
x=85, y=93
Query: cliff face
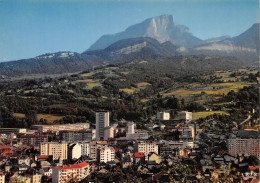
x=161, y=28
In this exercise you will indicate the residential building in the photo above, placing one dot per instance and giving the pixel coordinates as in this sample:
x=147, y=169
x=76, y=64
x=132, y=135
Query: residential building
x=94, y=146
x=85, y=148
x=106, y=154
x=109, y=132
x=74, y=151
x=61, y=127
x=2, y=177
x=75, y=173
x=59, y=150
x=169, y=147
x=139, y=158
x=102, y=121
x=5, y=150
x=241, y=146
x=138, y=135
x=34, y=140
x=185, y=116
x=72, y=136
x=153, y=157
x=36, y=178
x=12, y=130
x=19, y=178
x=130, y=128
x=163, y=116
x=146, y=147
x=25, y=160
x=187, y=132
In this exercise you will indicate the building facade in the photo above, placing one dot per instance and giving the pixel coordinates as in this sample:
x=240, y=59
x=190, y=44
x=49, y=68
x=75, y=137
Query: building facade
x=102, y=121
x=34, y=140
x=185, y=116
x=240, y=146
x=62, y=127
x=163, y=115
x=72, y=173
x=106, y=154
x=59, y=150
x=146, y=147
x=109, y=132
x=71, y=136
x=74, y=151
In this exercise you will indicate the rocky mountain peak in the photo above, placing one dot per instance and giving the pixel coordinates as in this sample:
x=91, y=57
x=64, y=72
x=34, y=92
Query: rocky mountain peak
x=162, y=28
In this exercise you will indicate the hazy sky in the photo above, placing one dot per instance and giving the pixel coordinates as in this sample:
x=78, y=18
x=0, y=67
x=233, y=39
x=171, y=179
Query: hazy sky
x=29, y=28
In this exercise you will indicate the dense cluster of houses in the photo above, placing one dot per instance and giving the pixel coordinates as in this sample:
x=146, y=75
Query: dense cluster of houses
x=60, y=153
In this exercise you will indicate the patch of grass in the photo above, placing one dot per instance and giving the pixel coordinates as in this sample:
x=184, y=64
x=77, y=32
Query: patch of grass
x=49, y=117
x=87, y=74
x=111, y=68
x=85, y=81
x=204, y=114
x=128, y=90
x=125, y=73
x=92, y=85
x=144, y=100
x=19, y=115
x=182, y=92
x=143, y=84
x=220, y=88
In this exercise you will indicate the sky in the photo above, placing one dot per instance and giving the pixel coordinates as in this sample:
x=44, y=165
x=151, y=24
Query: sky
x=29, y=28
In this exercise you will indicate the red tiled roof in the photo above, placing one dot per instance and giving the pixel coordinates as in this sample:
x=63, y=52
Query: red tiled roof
x=93, y=143
x=43, y=156
x=139, y=155
x=80, y=165
x=254, y=181
x=254, y=167
x=103, y=142
x=5, y=147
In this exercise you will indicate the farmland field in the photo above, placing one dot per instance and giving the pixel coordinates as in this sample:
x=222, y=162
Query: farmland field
x=128, y=90
x=49, y=117
x=204, y=114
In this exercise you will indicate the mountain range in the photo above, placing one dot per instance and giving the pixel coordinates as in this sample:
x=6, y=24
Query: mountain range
x=157, y=37
x=161, y=28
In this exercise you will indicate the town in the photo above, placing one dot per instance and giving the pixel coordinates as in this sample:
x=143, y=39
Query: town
x=127, y=91
x=113, y=151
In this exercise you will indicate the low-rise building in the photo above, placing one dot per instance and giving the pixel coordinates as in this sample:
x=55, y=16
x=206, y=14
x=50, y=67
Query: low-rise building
x=139, y=158
x=138, y=135
x=187, y=132
x=153, y=157
x=163, y=116
x=106, y=154
x=185, y=116
x=12, y=130
x=61, y=127
x=73, y=173
x=146, y=147
x=94, y=146
x=72, y=136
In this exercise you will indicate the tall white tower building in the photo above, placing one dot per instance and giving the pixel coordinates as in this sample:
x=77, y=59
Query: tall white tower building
x=102, y=121
x=130, y=128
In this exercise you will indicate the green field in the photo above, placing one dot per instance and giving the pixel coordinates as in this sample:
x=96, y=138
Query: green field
x=198, y=115
x=49, y=117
